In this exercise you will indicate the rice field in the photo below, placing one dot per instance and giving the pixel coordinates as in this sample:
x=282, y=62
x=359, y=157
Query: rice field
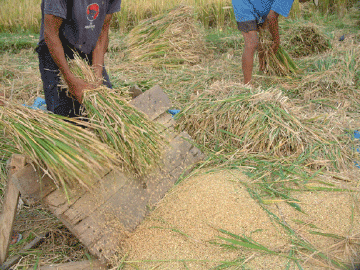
x=25, y=15
x=291, y=134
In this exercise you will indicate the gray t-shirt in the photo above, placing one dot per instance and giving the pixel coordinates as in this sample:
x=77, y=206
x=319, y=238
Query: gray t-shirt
x=83, y=20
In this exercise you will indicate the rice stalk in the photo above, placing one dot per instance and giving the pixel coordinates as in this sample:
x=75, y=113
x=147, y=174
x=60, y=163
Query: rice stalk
x=305, y=40
x=265, y=123
x=167, y=40
x=279, y=64
x=72, y=156
x=124, y=128
x=332, y=76
x=7, y=148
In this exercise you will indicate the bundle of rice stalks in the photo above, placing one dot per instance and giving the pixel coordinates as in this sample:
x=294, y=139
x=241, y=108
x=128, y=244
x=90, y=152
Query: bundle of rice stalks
x=170, y=39
x=333, y=76
x=305, y=40
x=279, y=64
x=262, y=123
x=72, y=156
x=124, y=128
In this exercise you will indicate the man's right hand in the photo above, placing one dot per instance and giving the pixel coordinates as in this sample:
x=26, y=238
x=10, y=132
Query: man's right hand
x=77, y=87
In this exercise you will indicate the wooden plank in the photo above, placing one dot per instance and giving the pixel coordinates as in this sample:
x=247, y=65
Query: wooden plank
x=129, y=204
x=9, y=207
x=86, y=216
x=32, y=188
x=16, y=163
x=153, y=102
x=167, y=123
x=83, y=265
x=7, y=218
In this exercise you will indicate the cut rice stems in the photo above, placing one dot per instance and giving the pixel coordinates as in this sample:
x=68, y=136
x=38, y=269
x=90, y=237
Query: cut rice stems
x=124, y=128
x=71, y=155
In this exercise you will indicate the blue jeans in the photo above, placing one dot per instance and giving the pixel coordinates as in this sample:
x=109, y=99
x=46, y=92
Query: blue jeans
x=57, y=100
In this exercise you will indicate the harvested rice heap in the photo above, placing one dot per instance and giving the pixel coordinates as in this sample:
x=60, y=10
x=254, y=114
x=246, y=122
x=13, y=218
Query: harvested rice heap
x=263, y=123
x=71, y=155
x=135, y=138
x=279, y=64
x=334, y=76
x=305, y=40
x=167, y=40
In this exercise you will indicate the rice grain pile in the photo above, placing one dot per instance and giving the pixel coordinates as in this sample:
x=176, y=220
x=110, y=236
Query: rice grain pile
x=167, y=40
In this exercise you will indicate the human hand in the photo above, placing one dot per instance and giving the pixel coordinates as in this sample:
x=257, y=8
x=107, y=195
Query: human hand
x=98, y=69
x=77, y=87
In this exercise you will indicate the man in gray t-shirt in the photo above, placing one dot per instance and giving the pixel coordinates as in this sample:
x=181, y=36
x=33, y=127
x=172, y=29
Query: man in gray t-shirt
x=68, y=26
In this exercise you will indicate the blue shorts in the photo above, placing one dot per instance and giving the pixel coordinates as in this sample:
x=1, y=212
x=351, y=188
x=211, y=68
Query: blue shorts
x=57, y=100
x=254, y=12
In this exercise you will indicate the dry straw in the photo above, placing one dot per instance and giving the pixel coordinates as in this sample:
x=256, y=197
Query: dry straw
x=169, y=40
x=124, y=128
x=305, y=40
x=333, y=76
x=279, y=64
x=263, y=123
x=71, y=155
x=7, y=148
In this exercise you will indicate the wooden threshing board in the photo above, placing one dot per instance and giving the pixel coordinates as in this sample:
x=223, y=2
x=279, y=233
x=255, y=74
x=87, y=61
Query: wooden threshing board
x=102, y=220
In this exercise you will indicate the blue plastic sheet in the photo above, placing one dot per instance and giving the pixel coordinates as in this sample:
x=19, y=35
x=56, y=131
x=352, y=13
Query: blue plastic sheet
x=39, y=103
x=174, y=112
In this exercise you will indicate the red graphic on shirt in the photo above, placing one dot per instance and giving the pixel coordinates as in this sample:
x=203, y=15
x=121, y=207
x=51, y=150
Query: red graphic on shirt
x=92, y=12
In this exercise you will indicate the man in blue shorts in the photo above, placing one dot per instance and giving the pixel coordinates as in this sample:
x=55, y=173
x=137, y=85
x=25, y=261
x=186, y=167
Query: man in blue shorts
x=69, y=26
x=251, y=16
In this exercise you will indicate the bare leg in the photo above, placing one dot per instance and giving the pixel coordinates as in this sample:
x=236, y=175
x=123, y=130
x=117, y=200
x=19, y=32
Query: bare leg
x=251, y=44
x=261, y=54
